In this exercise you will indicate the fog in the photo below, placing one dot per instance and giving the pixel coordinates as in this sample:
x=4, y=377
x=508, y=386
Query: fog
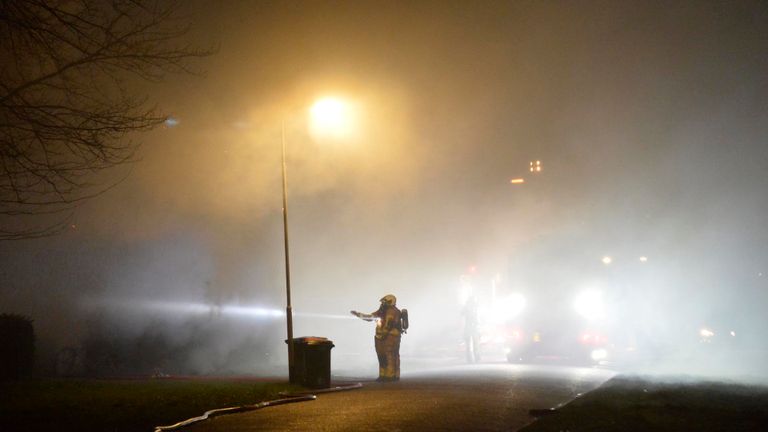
x=649, y=119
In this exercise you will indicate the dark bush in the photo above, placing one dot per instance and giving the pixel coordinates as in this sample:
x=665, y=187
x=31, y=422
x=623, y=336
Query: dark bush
x=17, y=346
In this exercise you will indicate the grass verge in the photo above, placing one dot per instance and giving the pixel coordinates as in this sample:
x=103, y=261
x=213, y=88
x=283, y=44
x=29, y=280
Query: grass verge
x=642, y=404
x=121, y=405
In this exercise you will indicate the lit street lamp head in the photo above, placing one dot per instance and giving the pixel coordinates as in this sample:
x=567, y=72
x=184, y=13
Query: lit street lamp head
x=331, y=118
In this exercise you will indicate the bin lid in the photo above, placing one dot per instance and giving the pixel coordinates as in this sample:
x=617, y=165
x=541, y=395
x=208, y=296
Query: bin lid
x=311, y=340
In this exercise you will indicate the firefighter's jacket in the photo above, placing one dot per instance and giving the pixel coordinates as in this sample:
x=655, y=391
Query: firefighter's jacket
x=388, y=321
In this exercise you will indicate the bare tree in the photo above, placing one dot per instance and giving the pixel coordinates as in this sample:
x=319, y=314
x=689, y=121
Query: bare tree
x=68, y=104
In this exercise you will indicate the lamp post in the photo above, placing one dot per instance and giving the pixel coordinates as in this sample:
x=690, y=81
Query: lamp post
x=329, y=117
x=288, y=308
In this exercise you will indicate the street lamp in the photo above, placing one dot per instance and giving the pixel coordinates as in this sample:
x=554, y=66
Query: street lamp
x=328, y=116
x=331, y=117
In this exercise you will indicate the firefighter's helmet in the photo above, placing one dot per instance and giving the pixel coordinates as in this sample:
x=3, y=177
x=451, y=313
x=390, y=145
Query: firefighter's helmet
x=389, y=299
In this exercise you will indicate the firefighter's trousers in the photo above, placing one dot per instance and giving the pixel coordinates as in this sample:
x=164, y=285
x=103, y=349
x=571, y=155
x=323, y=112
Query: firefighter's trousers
x=472, y=343
x=388, y=351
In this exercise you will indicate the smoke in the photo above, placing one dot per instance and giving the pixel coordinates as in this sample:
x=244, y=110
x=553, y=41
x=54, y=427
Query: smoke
x=649, y=121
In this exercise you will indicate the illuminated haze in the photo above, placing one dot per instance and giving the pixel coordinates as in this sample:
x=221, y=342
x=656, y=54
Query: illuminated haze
x=650, y=121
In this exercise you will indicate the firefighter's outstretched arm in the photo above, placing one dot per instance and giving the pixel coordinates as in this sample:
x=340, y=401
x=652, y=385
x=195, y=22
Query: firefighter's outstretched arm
x=363, y=316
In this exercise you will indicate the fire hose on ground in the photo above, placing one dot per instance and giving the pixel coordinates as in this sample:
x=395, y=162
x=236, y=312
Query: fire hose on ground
x=288, y=398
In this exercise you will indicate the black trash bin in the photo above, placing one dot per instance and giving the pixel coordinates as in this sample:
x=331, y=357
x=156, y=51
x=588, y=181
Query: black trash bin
x=312, y=361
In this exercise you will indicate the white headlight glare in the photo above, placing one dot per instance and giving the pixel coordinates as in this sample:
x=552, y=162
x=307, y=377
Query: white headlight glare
x=507, y=308
x=599, y=354
x=589, y=304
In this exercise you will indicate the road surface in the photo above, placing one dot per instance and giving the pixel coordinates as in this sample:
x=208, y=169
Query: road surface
x=489, y=397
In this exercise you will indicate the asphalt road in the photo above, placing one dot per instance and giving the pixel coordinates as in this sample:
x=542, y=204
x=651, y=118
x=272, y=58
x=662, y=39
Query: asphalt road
x=489, y=397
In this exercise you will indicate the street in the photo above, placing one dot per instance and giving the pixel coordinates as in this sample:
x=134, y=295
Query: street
x=488, y=397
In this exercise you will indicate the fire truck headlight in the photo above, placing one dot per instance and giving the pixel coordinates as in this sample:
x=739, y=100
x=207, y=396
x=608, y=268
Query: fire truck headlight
x=589, y=304
x=507, y=308
x=599, y=354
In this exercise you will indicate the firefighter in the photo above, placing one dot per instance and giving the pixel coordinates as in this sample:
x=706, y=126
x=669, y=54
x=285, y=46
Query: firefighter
x=389, y=327
x=471, y=330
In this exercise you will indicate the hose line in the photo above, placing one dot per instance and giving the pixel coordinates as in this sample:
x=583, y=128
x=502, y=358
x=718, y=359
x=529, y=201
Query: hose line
x=288, y=398
x=319, y=391
x=233, y=410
